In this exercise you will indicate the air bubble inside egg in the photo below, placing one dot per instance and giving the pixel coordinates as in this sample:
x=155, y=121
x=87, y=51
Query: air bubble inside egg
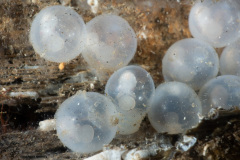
x=220, y=92
x=86, y=121
x=57, y=34
x=130, y=88
x=215, y=21
x=230, y=59
x=110, y=44
x=190, y=61
x=175, y=108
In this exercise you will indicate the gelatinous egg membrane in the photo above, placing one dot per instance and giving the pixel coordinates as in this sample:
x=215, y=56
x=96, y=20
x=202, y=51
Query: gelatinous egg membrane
x=110, y=44
x=130, y=88
x=175, y=108
x=222, y=91
x=230, y=59
x=86, y=121
x=215, y=21
x=190, y=61
x=57, y=34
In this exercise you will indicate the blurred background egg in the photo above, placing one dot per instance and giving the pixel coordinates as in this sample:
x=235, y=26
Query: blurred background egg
x=230, y=59
x=215, y=21
x=220, y=92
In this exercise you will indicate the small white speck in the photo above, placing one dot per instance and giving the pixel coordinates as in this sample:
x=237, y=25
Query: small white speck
x=91, y=85
x=142, y=35
x=47, y=125
x=94, y=5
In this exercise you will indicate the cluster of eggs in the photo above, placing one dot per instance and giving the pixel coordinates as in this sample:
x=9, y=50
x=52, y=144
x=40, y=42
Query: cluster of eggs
x=87, y=120
x=195, y=63
x=59, y=34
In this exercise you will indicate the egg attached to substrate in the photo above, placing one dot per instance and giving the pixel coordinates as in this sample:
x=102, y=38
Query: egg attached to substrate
x=86, y=121
x=220, y=92
x=130, y=88
x=174, y=108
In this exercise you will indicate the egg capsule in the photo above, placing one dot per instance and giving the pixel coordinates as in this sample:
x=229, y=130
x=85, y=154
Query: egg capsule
x=220, y=92
x=57, y=34
x=86, y=121
x=175, y=108
x=215, y=21
x=230, y=59
x=110, y=44
x=190, y=61
x=130, y=88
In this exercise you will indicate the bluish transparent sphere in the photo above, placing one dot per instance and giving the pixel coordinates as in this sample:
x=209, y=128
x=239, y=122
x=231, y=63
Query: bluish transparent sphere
x=175, y=108
x=57, y=34
x=190, y=61
x=220, y=92
x=130, y=88
x=215, y=21
x=230, y=59
x=86, y=121
x=110, y=44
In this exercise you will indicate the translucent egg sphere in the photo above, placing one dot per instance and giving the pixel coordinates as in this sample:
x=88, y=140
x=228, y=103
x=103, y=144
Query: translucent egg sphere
x=86, y=121
x=111, y=43
x=57, y=34
x=190, y=61
x=175, y=108
x=230, y=60
x=215, y=21
x=220, y=92
x=130, y=88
